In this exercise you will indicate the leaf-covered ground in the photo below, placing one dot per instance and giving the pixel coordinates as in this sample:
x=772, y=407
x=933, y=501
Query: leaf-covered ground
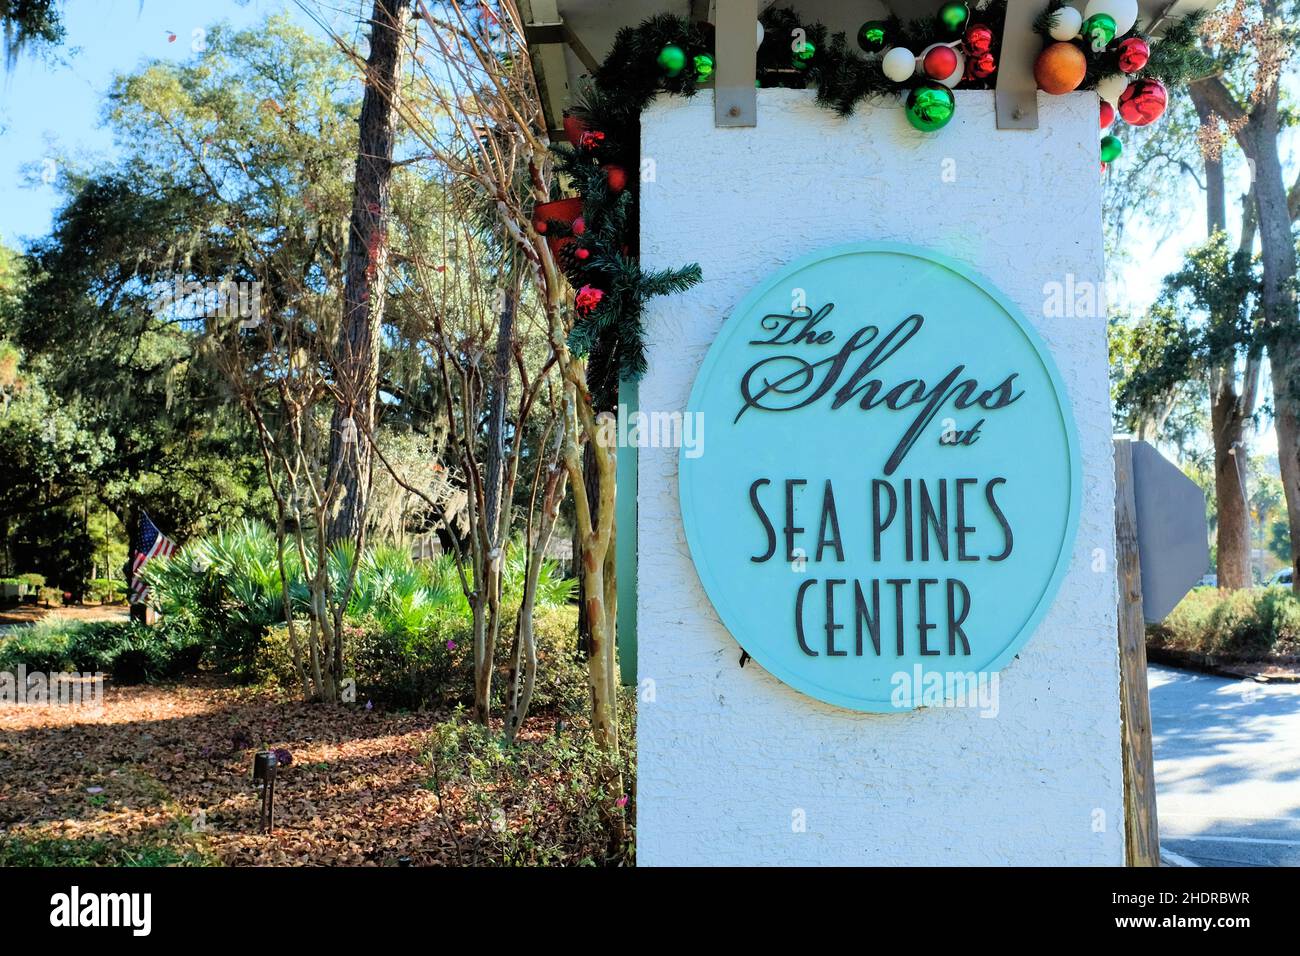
x=161, y=775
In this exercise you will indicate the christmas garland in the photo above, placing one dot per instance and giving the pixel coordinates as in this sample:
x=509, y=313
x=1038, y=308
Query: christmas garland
x=1101, y=49
x=594, y=235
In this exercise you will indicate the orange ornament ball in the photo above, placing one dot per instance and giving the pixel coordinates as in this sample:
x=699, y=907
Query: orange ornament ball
x=1060, y=68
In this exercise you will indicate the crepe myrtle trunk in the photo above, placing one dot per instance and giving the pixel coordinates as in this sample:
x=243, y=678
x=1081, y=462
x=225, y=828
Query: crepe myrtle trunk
x=496, y=451
x=357, y=366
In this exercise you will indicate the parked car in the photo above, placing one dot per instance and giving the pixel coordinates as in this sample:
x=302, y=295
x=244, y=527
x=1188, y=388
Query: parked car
x=1282, y=576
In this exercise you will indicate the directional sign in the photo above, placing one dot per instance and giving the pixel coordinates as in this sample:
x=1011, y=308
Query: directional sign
x=1173, y=538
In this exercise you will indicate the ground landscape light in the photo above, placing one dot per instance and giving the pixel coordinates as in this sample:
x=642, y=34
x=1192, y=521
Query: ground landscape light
x=264, y=767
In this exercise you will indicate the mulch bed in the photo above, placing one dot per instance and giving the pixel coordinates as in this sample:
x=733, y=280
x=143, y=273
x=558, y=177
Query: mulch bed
x=171, y=765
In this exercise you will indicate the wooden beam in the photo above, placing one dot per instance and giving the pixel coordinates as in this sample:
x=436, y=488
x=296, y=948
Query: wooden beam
x=549, y=68
x=735, y=101
x=1141, y=833
x=580, y=49
x=1016, y=91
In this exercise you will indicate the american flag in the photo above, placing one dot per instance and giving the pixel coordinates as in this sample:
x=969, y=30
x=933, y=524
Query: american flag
x=148, y=543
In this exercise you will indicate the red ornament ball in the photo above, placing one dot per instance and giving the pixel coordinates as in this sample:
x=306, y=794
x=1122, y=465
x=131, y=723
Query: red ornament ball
x=582, y=255
x=615, y=177
x=540, y=226
x=1107, y=114
x=587, y=299
x=982, y=66
x=1143, y=102
x=940, y=63
x=1133, y=54
x=979, y=40
x=579, y=226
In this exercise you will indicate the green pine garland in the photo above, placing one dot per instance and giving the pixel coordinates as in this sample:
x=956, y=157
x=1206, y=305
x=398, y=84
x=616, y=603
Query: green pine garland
x=611, y=335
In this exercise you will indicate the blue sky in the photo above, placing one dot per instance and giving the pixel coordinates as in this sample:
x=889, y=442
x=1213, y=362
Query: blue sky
x=47, y=101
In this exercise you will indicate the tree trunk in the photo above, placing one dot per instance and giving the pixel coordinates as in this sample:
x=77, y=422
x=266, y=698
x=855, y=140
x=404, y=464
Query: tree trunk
x=523, y=672
x=1229, y=409
x=591, y=481
x=495, y=458
x=491, y=536
x=357, y=366
x=1278, y=254
x=1233, y=533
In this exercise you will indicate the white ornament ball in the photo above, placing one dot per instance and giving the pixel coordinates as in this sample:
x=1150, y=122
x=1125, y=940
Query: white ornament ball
x=759, y=43
x=1067, y=24
x=1110, y=88
x=899, y=64
x=1124, y=13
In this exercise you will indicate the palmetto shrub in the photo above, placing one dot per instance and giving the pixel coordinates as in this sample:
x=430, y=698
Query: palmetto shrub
x=407, y=624
x=226, y=589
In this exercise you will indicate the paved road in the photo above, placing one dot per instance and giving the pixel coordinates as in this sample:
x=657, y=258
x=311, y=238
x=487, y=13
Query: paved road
x=1227, y=768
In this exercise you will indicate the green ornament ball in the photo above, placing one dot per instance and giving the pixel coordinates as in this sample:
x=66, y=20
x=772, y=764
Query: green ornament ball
x=672, y=59
x=803, y=55
x=930, y=107
x=1099, y=30
x=703, y=67
x=873, y=36
x=953, y=17
x=1111, y=147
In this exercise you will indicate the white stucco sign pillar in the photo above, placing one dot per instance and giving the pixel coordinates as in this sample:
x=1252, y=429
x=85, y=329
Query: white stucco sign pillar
x=981, y=243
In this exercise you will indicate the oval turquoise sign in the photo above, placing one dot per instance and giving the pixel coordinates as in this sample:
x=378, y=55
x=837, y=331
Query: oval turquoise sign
x=886, y=496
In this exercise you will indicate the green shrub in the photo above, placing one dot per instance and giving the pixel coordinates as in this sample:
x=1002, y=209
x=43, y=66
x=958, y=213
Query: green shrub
x=107, y=590
x=436, y=664
x=134, y=652
x=225, y=590
x=408, y=626
x=42, y=646
x=1249, y=624
x=561, y=675
x=32, y=580
x=544, y=803
x=131, y=652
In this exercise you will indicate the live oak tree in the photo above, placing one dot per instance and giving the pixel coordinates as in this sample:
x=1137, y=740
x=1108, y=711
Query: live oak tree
x=1237, y=52
x=1252, y=42
x=201, y=194
x=128, y=419
x=25, y=23
x=233, y=167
